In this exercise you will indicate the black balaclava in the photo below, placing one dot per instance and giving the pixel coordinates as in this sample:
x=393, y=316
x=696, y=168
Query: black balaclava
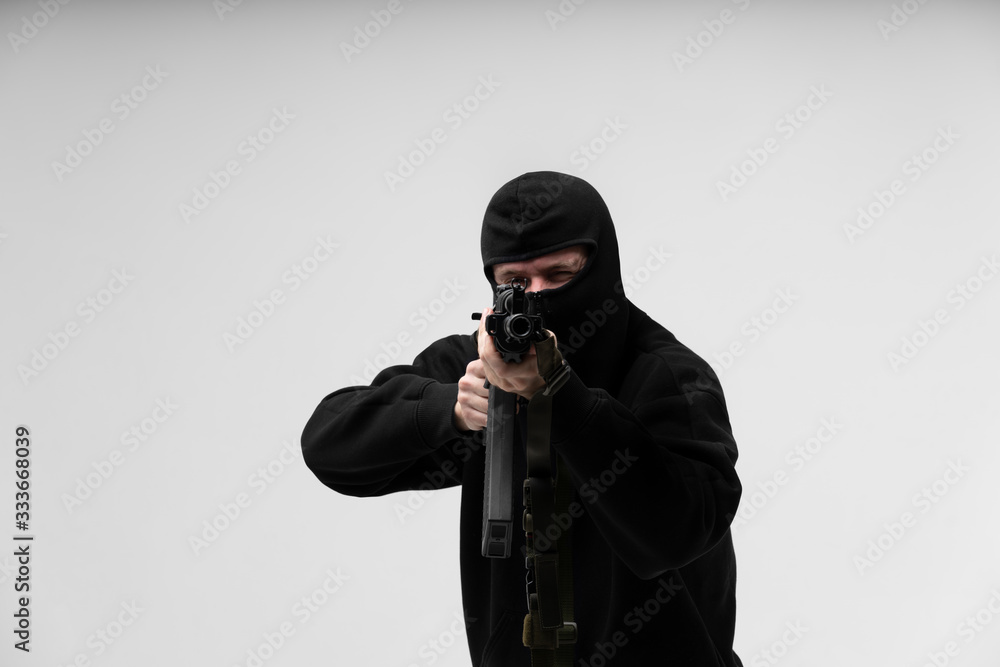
x=544, y=211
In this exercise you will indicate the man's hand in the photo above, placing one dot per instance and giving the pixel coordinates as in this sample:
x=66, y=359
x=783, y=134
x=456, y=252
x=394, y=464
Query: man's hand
x=521, y=378
x=472, y=406
x=473, y=398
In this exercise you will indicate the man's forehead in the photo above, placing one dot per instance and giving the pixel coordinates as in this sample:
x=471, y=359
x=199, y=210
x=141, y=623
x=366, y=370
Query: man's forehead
x=572, y=256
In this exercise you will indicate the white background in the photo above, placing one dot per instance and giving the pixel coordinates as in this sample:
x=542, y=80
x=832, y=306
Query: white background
x=684, y=128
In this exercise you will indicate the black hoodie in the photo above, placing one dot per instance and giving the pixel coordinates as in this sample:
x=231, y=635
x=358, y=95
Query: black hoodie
x=641, y=426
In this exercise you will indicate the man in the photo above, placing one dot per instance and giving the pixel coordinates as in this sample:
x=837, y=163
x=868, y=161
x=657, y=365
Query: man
x=640, y=427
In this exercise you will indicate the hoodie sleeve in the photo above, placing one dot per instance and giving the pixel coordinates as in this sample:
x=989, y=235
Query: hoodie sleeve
x=657, y=476
x=398, y=433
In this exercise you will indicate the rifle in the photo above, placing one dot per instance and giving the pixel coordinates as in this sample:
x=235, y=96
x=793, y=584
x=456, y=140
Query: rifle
x=514, y=326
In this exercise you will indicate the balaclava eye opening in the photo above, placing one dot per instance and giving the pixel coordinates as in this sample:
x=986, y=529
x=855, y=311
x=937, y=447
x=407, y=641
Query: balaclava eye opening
x=541, y=212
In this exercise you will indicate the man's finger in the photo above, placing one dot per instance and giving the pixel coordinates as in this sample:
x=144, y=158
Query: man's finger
x=478, y=421
x=480, y=404
x=475, y=410
x=475, y=369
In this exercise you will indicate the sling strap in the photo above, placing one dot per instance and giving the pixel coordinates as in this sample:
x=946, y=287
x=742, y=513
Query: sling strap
x=549, y=629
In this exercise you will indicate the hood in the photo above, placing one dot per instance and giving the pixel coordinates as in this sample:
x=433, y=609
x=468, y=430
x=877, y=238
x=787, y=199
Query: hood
x=541, y=212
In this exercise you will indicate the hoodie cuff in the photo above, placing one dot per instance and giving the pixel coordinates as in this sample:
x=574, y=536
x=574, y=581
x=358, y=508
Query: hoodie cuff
x=572, y=406
x=436, y=414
